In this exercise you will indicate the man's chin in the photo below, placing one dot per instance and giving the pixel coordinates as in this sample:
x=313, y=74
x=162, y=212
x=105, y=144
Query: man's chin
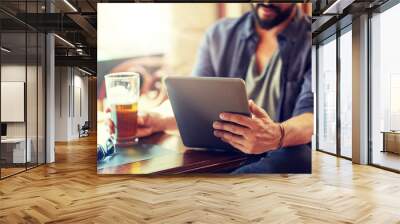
x=268, y=24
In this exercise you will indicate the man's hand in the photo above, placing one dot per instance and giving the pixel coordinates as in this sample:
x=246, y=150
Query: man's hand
x=148, y=124
x=253, y=135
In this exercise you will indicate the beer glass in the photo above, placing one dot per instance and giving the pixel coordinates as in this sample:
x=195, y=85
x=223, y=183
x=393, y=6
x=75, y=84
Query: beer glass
x=123, y=90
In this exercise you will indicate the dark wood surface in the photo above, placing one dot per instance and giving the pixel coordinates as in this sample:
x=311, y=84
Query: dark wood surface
x=391, y=141
x=179, y=159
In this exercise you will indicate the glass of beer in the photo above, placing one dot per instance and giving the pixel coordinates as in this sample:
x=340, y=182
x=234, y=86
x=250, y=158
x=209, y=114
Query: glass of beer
x=123, y=90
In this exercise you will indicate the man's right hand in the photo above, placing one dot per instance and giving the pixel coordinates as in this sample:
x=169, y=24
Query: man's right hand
x=148, y=124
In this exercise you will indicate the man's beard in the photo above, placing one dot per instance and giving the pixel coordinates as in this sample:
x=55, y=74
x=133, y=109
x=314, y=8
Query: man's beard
x=270, y=23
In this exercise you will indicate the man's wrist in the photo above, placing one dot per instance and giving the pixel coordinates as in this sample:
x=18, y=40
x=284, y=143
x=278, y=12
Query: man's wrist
x=282, y=135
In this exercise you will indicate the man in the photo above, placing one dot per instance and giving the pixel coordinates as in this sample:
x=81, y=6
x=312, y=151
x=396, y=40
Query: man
x=270, y=48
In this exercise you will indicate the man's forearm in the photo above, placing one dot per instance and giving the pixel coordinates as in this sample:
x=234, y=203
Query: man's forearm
x=298, y=130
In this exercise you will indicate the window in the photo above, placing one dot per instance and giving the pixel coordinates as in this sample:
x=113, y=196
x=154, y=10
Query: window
x=346, y=93
x=385, y=89
x=22, y=74
x=327, y=96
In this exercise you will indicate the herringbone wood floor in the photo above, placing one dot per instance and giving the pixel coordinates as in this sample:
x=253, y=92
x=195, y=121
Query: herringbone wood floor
x=70, y=191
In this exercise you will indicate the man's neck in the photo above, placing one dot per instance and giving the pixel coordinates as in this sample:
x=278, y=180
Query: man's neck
x=273, y=32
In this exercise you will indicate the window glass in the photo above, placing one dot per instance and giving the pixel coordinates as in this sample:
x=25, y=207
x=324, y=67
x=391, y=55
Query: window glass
x=14, y=153
x=327, y=96
x=385, y=89
x=31, y=97
x=346, y=94
x=41, y=79
x=22, y=90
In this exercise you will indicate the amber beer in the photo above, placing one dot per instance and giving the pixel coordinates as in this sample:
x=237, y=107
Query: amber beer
x=124, y=117
x=122, y=91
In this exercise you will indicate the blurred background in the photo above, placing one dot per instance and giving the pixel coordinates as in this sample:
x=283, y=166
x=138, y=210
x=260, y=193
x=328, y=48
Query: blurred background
x=156, y=40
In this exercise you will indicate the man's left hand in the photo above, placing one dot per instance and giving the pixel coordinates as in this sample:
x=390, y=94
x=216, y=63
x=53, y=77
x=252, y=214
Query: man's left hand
x=252, y=135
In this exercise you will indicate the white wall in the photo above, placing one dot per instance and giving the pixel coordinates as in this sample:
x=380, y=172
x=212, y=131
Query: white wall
x=70, y=83
x=80, y=85
x=61, y=103
x=33, y=127
x=13, y=73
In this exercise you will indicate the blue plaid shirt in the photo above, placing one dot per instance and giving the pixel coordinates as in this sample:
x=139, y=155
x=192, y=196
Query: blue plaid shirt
x=227, y=48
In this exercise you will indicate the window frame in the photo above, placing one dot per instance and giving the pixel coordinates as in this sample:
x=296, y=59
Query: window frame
x=379, y=10
x=333, y=37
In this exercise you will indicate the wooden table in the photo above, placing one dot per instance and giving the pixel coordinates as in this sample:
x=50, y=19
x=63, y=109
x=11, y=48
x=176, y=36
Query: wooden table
x=391, y=141
x=177, y=159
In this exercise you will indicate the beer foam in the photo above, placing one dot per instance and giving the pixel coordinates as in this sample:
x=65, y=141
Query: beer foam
x=120, y=95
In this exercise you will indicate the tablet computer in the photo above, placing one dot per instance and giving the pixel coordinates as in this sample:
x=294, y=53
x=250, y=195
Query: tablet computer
x=197, y=103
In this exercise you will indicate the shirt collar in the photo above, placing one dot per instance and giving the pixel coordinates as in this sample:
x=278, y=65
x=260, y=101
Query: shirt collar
x=289, y=33
x=249, y=29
